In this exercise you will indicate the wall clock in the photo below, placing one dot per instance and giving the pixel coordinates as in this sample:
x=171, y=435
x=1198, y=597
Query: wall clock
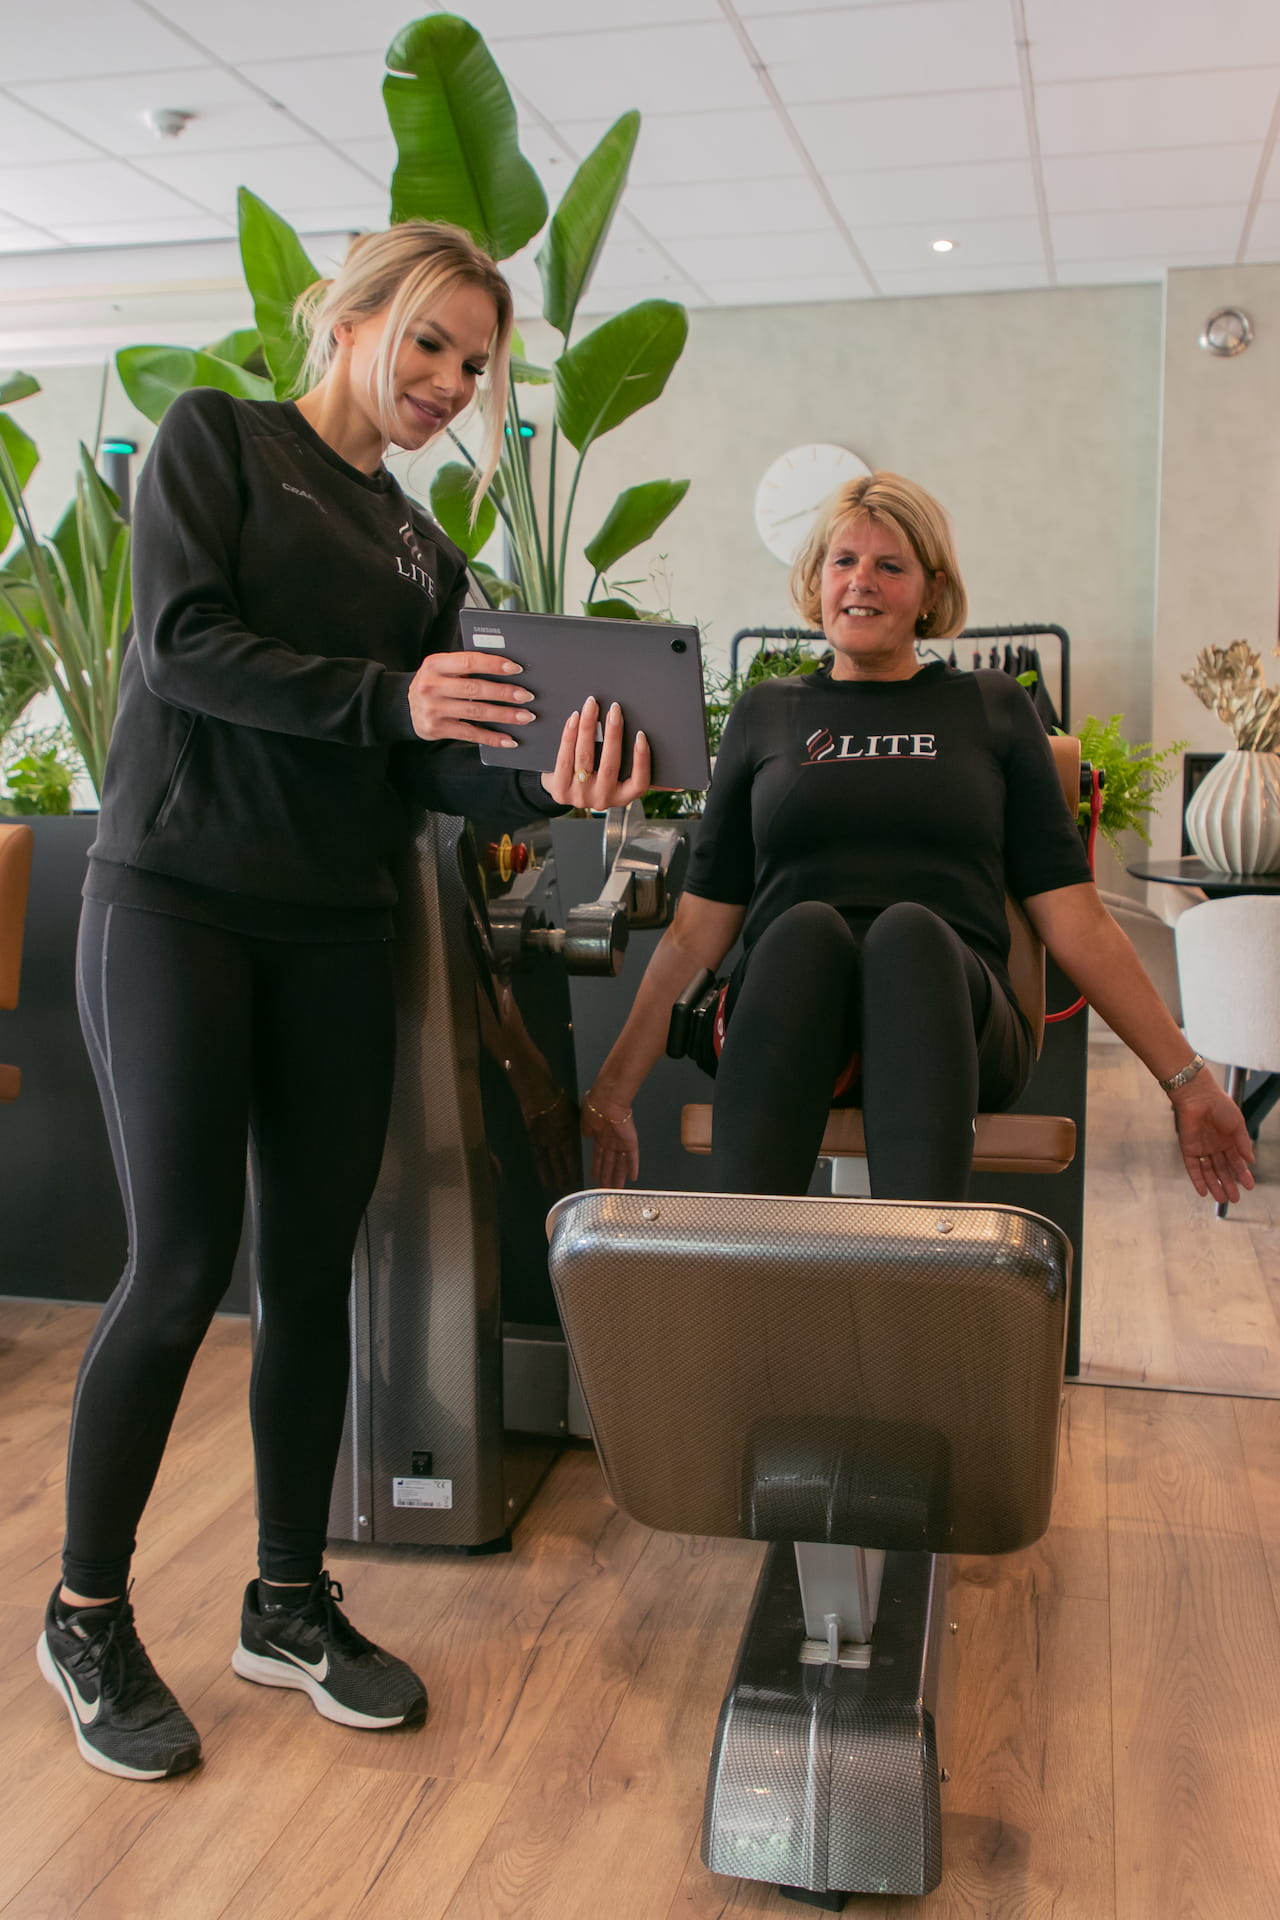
x=794, y=487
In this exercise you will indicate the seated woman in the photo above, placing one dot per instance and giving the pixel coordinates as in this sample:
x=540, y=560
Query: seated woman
x=862, y=829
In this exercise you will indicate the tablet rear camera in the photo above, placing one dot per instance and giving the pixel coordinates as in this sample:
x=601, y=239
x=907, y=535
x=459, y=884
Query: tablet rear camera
x=679, y=646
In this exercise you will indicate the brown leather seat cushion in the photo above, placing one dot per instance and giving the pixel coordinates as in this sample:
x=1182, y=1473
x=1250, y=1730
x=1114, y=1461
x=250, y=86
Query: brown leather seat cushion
x=1003, y=1142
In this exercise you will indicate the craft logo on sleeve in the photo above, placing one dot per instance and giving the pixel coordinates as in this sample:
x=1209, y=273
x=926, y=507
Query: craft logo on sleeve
x=415, y=568
x=825, y=748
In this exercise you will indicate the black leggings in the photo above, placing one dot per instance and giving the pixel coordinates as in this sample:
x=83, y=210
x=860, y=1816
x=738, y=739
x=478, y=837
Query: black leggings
x=939, y=1038
x=198, y=1036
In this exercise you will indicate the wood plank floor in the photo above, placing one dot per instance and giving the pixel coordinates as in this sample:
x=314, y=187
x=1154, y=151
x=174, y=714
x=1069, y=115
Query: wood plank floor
x=1172, y=1296
x=1115, y=1732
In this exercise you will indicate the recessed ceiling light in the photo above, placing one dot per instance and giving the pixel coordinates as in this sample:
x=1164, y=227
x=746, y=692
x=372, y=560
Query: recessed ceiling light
x=943, y=246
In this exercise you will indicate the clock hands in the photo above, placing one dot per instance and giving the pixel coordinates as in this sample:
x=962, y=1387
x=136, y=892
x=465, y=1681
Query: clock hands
x=800, y=515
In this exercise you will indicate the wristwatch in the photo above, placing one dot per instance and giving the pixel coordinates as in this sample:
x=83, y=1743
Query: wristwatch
x=1181, y=1078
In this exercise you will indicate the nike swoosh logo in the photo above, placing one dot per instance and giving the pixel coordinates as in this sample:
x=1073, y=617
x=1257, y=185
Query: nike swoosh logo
x=87, y=1711
x=318, y=1669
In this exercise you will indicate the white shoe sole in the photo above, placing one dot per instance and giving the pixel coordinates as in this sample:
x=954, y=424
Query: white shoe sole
x=53, y=1674
x=265, y=1672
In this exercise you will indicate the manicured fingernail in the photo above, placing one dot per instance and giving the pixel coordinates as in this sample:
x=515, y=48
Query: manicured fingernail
x=506, y=741
x=615, y=711
x=642, y=738
x=512, y=666
x=590, y=701
x=522, y=719
x=572, y=720
x=522, y=693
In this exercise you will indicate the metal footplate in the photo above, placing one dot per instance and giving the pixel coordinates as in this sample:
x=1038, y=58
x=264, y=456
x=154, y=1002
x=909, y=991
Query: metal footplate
x=824, y=1778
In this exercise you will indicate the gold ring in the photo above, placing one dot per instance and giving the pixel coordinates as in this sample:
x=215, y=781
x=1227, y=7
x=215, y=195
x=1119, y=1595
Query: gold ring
x=583, y=775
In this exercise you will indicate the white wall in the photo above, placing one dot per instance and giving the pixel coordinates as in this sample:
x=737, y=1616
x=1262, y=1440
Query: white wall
x=1219, y=564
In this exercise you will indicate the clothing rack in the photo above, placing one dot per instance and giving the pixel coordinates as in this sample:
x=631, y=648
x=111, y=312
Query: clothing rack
x=795, y=635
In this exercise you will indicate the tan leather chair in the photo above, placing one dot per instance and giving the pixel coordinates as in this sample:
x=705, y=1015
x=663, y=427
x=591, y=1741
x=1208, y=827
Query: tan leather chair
x=1003, y=1142
x=16, y=846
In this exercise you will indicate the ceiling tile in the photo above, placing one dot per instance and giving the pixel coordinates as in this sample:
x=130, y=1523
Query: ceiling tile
x=307, y=175
x=629, y=263
x=898, y=196
x=1176, y=110
x=1271, y=185
x=1211, y=233
x=242, y=30
x=377, y=158
x=85, y=191
x=978, y=243
x=821, y=254
x=916, y=46
x=791, y=290
x=505, y=19
x=67, y=37
x=736, y=143
x=17, y=239
x=1186, y=177
x=339, y=97
x=144, y=233
x=109, y=110
x=27, y=138
x=1007, y=279
x=932, y=128
x=1096, y=39
x=722, y=207
x=1129, y=270
x=693, y=69
x=753, y=9
x=1264, y=235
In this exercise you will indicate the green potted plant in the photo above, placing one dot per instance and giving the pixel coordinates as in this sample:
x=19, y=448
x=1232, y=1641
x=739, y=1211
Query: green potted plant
x=1233, y=817
x=459, y=160
x=1133, y=777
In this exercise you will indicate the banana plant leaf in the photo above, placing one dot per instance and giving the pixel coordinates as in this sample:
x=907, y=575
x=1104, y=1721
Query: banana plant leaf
x=239, y=347
x=153, y=377
x=17, y=386
x=498, y=590
x=619, y=368
x=581, y=222
x=612, y=609
x=277, y=269
x=635, y=516
x=452, y=491
x=102, y=520
x=455, y=130
x=25, y=456
x=524, y=370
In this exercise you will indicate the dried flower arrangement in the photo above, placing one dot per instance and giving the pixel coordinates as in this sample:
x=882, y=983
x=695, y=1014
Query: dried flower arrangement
x=1231, y=683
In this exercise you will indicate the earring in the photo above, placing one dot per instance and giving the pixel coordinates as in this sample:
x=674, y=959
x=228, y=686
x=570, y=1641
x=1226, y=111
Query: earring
x=925, y=620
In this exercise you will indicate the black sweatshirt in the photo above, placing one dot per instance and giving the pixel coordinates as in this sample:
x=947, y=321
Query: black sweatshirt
x=263, y=759
x=940, y=789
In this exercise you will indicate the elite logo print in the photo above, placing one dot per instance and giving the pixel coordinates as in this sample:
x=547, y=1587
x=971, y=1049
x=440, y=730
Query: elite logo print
x=824, y=747
x=416, y=570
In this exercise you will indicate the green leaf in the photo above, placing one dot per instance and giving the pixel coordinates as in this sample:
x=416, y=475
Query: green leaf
x=581, y=222
x=452, y=492
x=455, y=130
x=612, y=610
x=16, y=386
x=617, y=369
x=153, y=377
x=522, y=369
x=277, y=269
x=635, y=516
x=238, y=347
x=23, y=452
x=498, y=589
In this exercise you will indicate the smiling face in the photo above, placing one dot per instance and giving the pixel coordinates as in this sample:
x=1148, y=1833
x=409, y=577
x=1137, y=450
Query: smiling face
x=433, y=375
x=873, y=591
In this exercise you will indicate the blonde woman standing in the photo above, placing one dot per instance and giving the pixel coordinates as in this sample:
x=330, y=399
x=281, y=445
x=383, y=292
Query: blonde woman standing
x=291, y=687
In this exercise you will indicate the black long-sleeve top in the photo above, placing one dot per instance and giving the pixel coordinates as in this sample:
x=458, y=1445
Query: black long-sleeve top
x=940, y=789
x=263, y=758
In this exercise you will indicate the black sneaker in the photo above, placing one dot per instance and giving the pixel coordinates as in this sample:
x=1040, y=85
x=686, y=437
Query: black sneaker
x=312, y=1646
x=125, y=1719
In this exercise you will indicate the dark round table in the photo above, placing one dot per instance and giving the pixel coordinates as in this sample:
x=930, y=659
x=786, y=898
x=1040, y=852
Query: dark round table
x=1191, y=871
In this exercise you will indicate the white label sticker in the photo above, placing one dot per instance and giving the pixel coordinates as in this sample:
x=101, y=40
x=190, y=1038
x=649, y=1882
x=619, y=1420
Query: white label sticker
x=485, y=638
x=422, y=1493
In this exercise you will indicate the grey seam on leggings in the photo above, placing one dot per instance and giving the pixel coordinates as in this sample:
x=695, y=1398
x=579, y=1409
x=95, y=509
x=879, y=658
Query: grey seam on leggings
x=100, y=1035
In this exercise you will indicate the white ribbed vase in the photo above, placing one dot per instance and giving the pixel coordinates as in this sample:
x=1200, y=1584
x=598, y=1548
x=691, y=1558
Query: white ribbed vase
x=1233, y=817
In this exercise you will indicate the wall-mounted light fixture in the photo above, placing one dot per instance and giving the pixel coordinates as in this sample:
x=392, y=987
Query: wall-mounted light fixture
x=1227, y=332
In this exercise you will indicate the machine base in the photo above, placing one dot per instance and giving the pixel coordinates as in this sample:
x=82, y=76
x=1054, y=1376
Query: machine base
x=825, y=1779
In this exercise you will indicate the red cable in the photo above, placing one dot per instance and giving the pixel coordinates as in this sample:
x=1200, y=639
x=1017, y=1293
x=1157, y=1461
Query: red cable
x=1095, y=811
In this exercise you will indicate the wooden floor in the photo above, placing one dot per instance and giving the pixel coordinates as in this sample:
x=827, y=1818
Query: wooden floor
x=1114, y=1752
x=1172, y=1296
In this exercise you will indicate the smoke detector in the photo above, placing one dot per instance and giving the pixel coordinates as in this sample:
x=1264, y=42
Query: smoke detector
x=167, y=122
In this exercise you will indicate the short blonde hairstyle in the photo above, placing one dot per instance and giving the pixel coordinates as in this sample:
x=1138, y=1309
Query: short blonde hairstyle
x=406, y=272
x=917, y=517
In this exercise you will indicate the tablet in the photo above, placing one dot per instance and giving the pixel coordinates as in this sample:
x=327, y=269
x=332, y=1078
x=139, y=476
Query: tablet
x=652, y=669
